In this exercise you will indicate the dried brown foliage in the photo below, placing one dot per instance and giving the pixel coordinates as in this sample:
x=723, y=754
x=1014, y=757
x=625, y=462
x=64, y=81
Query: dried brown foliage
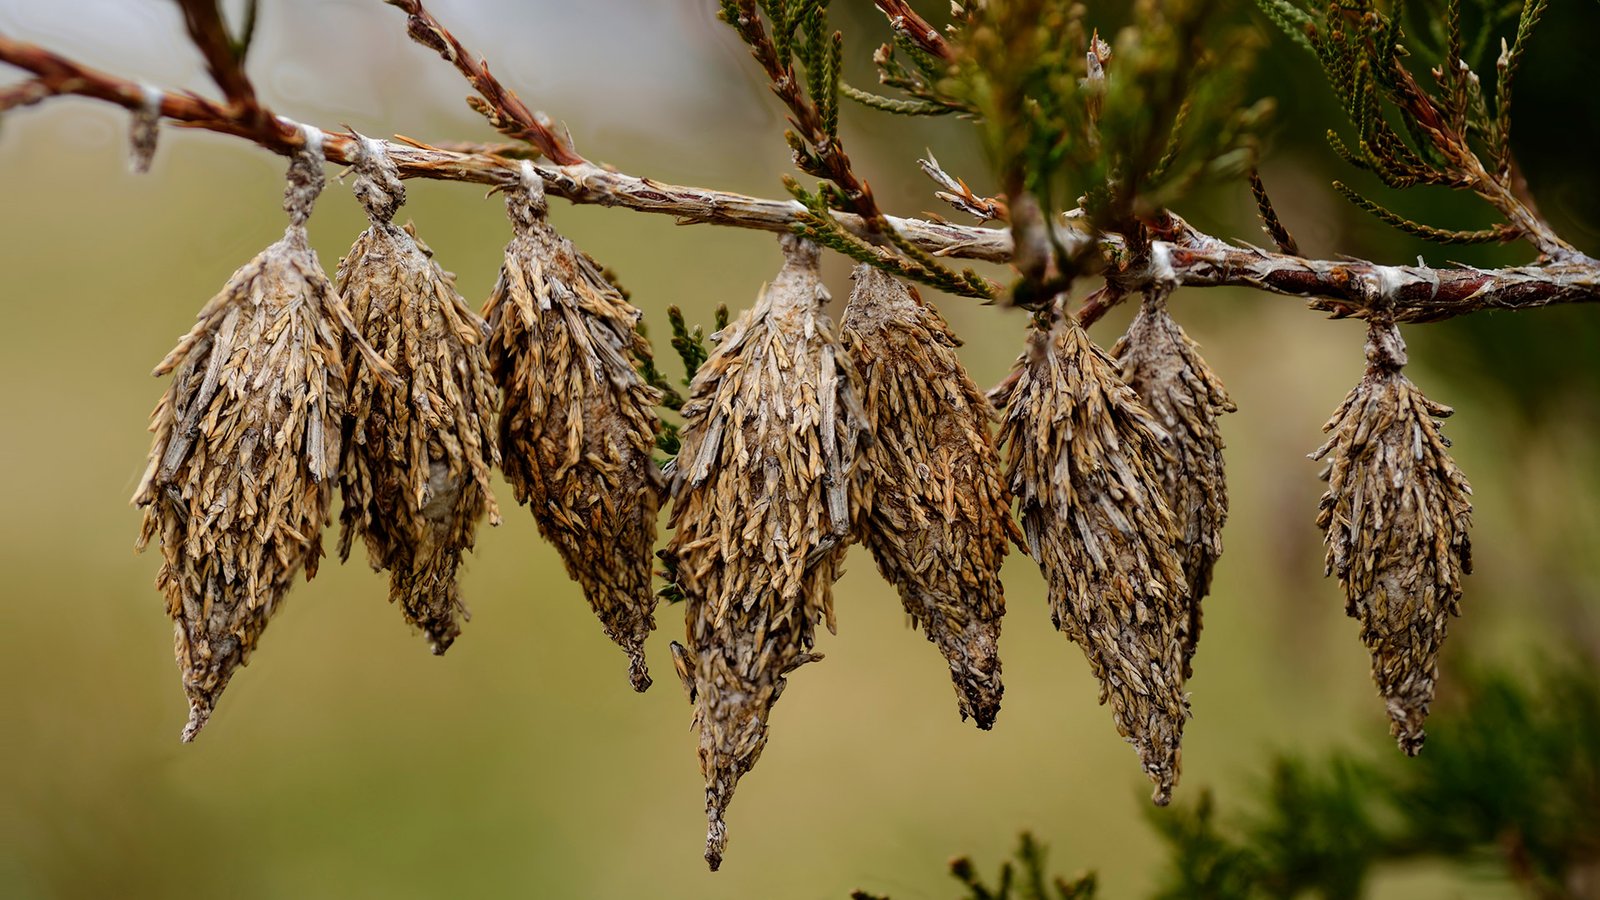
x=1164, y=367
x=1396, y=515
x=939, y=518
x=246, y=446
x=764, y=491
x=1085, y=461
x=414, y=473
x=578, y=423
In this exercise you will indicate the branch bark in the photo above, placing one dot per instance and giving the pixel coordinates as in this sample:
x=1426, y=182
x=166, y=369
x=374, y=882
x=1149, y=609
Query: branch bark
x=1354, y=288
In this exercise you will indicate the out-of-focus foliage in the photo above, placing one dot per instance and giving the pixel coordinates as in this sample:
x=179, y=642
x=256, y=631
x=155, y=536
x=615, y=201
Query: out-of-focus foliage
x=1026, y=876
x=1122, y=127
x=1511, y=777
x=1510, y=783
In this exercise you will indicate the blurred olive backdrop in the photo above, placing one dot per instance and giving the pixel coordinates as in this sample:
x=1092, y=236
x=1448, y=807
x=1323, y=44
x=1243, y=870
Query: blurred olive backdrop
x=348, y=762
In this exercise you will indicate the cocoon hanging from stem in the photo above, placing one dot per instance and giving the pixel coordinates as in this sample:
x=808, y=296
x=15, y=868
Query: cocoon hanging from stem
x=765, y=489
x=938, y=520
x=577, y=420
x=414, y=473
x=1085, y=461
x=1164, y=367
x=1395, y=517
x=246, y=448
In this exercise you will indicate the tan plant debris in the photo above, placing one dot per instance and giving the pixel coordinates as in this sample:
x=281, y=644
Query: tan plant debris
x=415, y=469
x=1085, y=461
x=764, y=490
x=938, y=521
x=1165, y=368
x=578, y=423
x=246, y=446
x=1396, y=515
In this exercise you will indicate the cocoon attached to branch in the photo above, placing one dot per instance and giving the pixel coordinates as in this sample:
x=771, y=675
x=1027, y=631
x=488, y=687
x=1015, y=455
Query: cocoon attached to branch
x=246, y=448
x=765, y=488
x=1164, y=367
x=578, y=422
x=414, y=473
x=939, y=518
x=1396, y=515
x=1085, y=462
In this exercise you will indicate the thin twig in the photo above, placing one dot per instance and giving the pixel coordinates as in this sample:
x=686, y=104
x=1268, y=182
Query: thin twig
x=957, y=194
x=905, y=20
x=210, y=35
x=1497, y=191
x=803, y=113
x=501, y=105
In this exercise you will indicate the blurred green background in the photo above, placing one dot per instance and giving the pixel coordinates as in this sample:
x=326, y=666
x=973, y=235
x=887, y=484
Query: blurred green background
x=348, y=762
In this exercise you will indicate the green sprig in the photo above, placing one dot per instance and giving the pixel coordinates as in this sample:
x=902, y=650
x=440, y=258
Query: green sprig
x=1500, y=233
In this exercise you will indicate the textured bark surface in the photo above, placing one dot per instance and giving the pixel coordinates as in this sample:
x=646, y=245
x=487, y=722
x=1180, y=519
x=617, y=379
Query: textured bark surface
x=1396, y=515
x=414, y=473
x=1422, y=294
x=938, y=521
x=1085, y=461
x=764, y=492
x=1164, y=367
x=578, y=423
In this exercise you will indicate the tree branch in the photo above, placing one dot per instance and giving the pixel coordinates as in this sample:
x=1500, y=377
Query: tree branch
x=210, y=35
x=501, y=105
x=1352, y=288
x=830, y=155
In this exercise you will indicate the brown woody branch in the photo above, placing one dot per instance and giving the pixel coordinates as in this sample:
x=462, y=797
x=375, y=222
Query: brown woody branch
x=223, y=61
x=1412, y=293
x=55, y=75
x=836, y=166
x=501, y=105
x=1189, y=258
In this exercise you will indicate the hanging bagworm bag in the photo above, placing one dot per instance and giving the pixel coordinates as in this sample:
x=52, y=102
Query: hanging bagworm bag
x=765, y=488
x=577, y=420
x=414, y=473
